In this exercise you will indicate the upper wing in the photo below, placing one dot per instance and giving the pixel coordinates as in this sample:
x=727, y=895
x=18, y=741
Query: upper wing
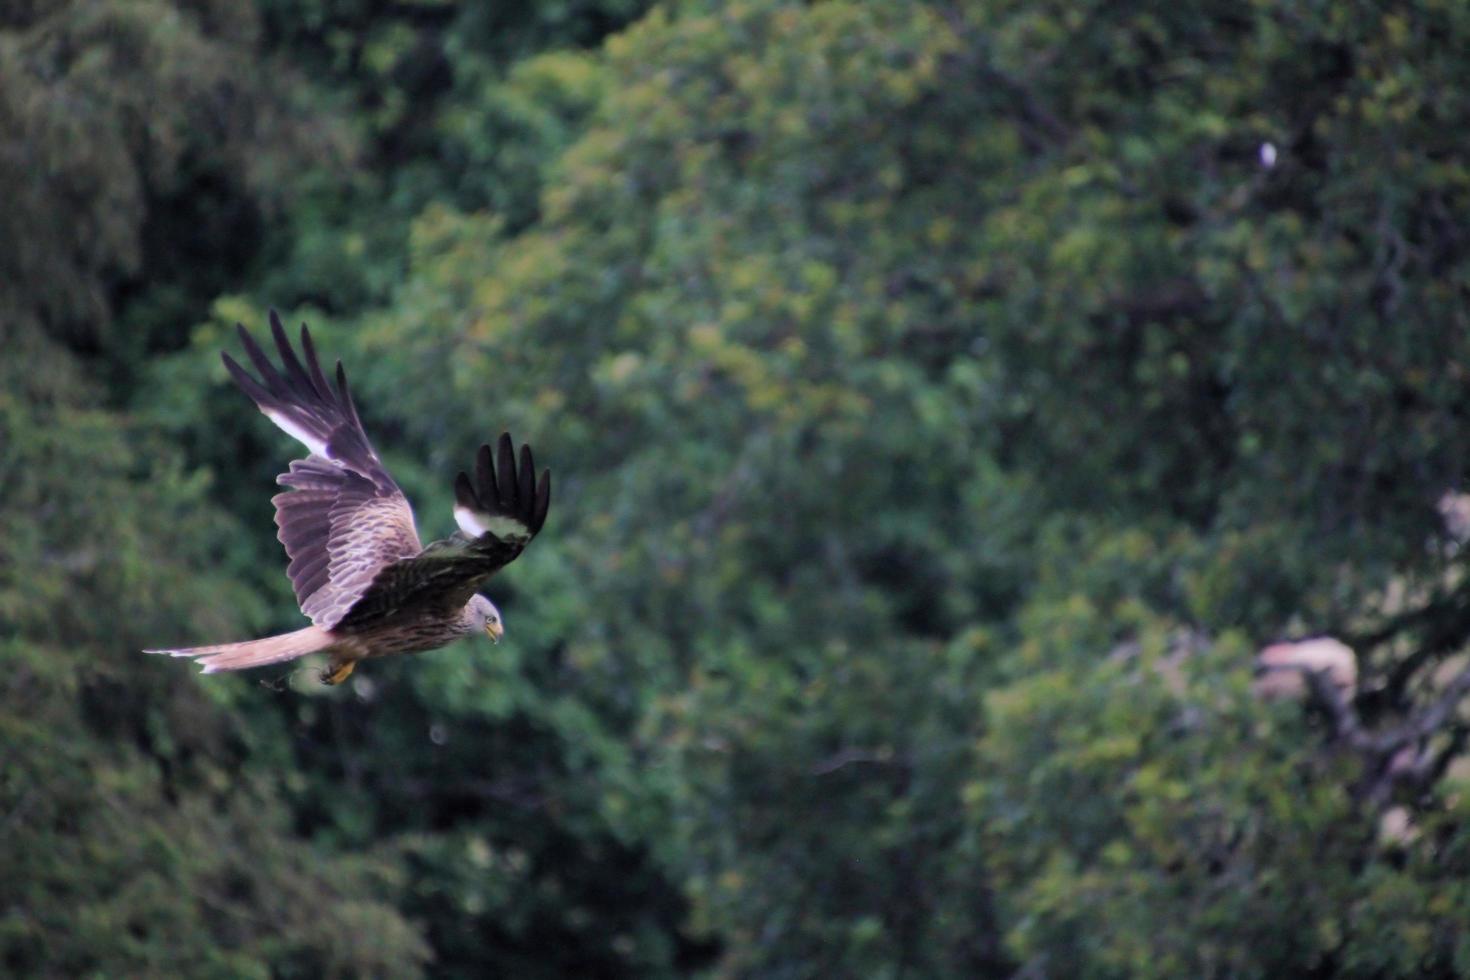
x=498, y=514
x=344, y=519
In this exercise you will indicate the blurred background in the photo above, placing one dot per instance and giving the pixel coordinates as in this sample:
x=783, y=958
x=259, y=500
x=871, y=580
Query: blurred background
x=949, y=402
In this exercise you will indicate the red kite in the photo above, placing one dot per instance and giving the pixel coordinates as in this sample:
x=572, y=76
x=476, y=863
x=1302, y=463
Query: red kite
x=356, y=564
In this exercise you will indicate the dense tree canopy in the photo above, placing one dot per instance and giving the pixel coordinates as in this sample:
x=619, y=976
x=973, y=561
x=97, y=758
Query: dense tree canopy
x=947, y=401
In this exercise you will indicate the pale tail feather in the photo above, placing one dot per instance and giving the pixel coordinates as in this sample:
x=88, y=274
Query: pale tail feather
x=255, y=653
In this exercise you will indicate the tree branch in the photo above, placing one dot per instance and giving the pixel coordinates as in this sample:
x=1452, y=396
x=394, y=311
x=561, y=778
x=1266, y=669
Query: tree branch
x=1378, y=749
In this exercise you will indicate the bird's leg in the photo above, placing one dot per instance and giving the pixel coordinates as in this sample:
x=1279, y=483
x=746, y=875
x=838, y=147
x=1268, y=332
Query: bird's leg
x=338, y=671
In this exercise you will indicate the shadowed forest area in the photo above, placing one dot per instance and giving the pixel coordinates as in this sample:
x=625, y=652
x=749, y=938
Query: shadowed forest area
x=948, y=403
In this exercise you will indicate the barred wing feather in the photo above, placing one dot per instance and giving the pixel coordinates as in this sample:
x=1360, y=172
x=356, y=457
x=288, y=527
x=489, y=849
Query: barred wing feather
x=343, y=518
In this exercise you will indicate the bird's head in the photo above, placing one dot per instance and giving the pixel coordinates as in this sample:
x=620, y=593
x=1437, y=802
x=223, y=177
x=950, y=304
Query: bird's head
x=484, y=616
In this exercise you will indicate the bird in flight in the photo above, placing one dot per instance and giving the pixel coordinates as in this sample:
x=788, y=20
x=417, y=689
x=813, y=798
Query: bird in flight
x=357, y=567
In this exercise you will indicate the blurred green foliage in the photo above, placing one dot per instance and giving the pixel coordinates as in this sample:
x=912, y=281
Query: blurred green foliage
x=945, y=402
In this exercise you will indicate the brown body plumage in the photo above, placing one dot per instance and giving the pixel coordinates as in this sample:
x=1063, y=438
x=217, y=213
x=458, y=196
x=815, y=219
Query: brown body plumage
x=356, y=564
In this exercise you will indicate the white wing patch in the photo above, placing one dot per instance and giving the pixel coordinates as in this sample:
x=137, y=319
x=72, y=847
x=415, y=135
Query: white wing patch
x=298, y=433
x=468, y=521
x=475, y=524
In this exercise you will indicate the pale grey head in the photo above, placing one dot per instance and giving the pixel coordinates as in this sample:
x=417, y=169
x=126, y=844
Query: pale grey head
x=482, y=615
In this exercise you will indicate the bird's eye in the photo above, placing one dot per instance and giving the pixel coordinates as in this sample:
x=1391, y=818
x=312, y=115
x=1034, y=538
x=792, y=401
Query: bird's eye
x=494, y=619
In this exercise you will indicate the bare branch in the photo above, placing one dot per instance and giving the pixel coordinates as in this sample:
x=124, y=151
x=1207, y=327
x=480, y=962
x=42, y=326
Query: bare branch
x=1379, y=749
x=1430, y=720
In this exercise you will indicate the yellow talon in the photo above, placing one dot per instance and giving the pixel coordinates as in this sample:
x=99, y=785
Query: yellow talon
x=338, y=671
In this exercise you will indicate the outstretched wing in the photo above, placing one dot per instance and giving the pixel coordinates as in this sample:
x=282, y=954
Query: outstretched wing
x=498, y=513
x=343, y=519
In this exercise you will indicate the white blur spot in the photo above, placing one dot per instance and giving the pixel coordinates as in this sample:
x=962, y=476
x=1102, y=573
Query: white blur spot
x=1268, y=155
x=1454, y=508
x=364, y=688
x=437, y=734
x=1279, y=667
x=301, y=435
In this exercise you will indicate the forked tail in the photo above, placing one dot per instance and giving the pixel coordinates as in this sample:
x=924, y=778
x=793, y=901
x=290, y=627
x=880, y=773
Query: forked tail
x=255, y=653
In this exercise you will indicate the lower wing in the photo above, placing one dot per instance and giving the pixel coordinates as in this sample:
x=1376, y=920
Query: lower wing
x=498, y=513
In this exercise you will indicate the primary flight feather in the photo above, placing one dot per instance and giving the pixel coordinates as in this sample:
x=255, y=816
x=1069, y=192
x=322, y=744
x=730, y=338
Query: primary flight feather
x=356, y=565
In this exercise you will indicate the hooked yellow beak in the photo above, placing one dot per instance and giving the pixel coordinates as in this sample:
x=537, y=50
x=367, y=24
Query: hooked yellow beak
x=495, y=631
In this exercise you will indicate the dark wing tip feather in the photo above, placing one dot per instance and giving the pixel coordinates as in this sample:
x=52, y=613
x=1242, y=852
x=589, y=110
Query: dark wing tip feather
x=344, y=394
x=296, y=374
x=299, y=397
x=505, y=478
x=257, y=391
x=258, y=357
x=464, y=492
x=526, y=492
x=485, y=474
x=543, y=502
x=314, y=365
x=242, y=377
x=283, y=344
x=504, y=487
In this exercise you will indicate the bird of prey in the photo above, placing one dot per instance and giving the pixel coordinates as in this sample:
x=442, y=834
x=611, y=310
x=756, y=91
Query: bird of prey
x=356, y=564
